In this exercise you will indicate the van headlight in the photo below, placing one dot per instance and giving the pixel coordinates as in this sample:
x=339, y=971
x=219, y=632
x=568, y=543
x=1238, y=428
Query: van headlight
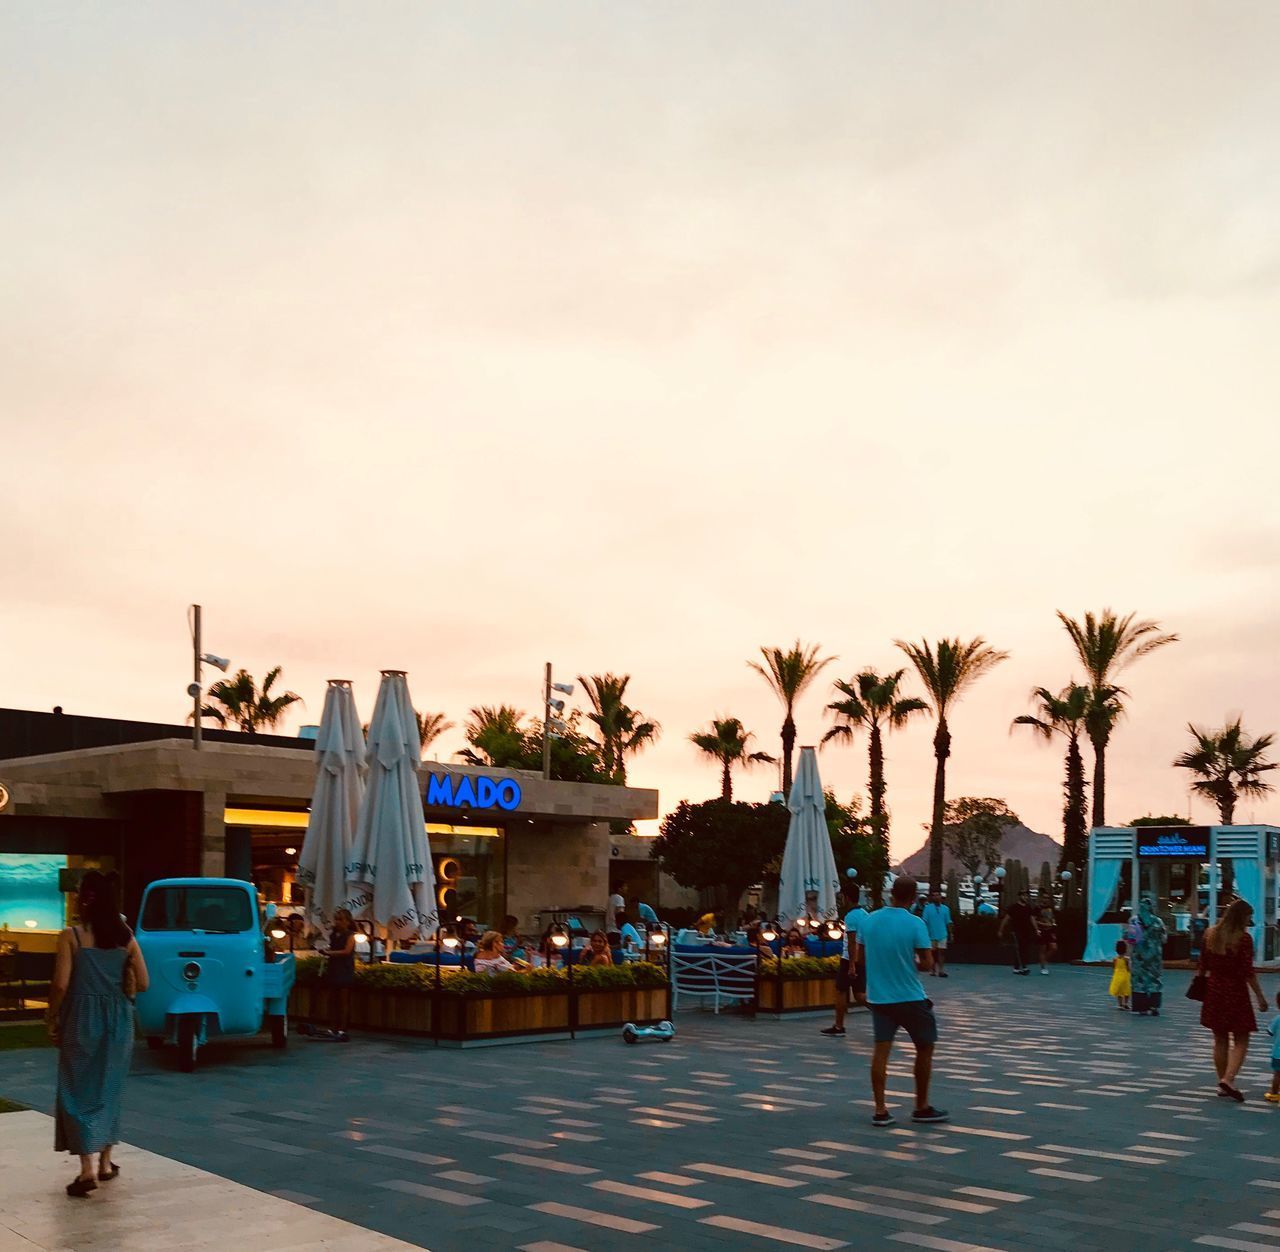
x=191, y=971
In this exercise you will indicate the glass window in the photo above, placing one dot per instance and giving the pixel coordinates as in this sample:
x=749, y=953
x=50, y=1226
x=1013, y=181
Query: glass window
x=219, y=910
x=471, y=878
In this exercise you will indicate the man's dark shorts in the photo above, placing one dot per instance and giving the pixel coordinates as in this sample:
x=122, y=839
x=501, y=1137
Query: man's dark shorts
x=913, y=1016
x=854, y=980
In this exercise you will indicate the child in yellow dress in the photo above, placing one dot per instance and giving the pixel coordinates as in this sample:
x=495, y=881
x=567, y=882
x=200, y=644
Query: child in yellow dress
x=1120, y=983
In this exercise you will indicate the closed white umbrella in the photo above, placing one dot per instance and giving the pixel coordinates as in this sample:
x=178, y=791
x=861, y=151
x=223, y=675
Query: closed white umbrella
x=389, y=869
x=808, y=864
x=335, y=804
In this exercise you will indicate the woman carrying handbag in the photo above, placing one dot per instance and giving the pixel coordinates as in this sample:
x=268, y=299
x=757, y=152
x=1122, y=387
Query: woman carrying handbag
x=97, y=971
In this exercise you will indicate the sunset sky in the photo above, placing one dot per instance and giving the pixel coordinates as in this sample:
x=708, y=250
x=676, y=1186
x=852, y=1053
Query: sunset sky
x=457, y=338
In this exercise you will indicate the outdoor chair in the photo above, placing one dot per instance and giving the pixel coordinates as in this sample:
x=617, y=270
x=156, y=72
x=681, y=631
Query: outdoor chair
x=725, y=975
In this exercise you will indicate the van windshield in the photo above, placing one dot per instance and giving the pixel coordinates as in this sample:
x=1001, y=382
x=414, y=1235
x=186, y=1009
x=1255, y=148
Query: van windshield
x=222, y=910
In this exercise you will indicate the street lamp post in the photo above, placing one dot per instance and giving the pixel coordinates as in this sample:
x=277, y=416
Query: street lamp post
x=769, y=932
x=559, y=937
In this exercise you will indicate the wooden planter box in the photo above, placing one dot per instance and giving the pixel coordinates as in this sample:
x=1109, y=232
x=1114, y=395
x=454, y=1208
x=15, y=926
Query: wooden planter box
x=479, y=1016
x=408, y=1012
x=618, y=1005
x=476, y=1016
x=799, y=995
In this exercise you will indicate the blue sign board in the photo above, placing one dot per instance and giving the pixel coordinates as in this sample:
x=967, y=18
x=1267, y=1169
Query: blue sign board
x=1188, y=842
x=472, y=791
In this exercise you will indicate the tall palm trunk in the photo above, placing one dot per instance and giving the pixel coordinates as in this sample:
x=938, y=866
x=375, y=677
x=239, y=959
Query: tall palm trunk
x=1099, y=779
x=726, y=780
x=941, y=750
x=879, y=818
x=1075, y=833
x=1227, y=804
x=788, y=745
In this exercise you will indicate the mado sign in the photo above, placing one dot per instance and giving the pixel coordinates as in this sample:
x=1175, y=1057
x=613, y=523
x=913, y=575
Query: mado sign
x=473, y=792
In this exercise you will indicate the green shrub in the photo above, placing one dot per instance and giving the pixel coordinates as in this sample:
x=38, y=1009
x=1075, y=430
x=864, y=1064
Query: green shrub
x=455, y=981
x=800, y=968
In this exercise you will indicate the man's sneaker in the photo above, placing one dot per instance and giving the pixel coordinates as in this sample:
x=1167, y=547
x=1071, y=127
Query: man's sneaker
x=834, y=1031
x=1045, y=972
x=930, y=1114
x=882, y=1119
x=942, y=973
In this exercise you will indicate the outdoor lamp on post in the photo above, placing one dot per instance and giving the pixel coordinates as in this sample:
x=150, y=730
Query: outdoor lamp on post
x=659, y=940
x=770, y=932
x=998, y=873
x=446, y=938
x=559, y=937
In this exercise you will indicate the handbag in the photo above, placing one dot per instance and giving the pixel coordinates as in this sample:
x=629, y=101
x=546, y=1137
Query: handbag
x=1195, y=990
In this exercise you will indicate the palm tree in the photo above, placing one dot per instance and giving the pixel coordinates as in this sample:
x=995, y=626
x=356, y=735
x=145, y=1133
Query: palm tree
x=729, y=744
x=1229, y=764
x=494, y=735
x=240, y=701
x=872, y=703
x=945, y=673
x=1106, y=644
x=1066, y=714
x=624, y=731
x=430, y=727
x=788, y=674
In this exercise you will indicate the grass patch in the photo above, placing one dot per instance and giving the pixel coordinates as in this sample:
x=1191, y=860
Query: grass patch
x=23, y=1035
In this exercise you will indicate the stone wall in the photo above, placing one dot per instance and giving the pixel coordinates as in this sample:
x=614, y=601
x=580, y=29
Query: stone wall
x=550, y=866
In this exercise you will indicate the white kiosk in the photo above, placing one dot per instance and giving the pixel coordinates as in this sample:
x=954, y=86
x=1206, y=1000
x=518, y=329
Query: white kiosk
x=1187, y=870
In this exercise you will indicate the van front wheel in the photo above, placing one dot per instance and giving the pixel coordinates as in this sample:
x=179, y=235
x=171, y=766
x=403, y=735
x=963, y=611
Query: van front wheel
x=187, y=1043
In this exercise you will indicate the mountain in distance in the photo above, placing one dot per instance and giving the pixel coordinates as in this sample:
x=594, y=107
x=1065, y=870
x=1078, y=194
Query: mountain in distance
x=1019, y=843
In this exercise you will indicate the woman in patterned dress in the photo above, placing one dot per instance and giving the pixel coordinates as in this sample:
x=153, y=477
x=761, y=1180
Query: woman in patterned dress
x=92, y=1024
x=1146, y=960
x=1227, y=963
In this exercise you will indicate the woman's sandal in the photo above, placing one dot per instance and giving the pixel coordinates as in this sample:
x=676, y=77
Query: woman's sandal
x=81, y=1187
x=110, y=1174
x=1230, y=1093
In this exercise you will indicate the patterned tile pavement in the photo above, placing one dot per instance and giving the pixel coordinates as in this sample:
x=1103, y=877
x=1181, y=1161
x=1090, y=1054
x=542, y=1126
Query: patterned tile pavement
x=1074, y=1126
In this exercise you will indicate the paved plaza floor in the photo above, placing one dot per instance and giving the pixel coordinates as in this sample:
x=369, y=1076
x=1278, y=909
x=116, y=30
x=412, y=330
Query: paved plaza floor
x=1074, y=1125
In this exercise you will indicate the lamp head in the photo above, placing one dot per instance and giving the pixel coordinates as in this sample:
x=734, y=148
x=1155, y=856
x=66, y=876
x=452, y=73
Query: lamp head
x=768, y=932
x=565, y=689
x=835, y=930
x=218, y=662
x=559, y=936
x=658, y=939
x=558, y=705
x=278, y=932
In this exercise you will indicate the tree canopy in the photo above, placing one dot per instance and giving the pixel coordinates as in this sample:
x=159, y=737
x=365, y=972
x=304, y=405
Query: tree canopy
x=974, y=828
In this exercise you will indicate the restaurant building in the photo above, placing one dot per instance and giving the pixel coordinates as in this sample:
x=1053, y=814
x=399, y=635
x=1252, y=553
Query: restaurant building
x=81, y=792
x=1189, y=873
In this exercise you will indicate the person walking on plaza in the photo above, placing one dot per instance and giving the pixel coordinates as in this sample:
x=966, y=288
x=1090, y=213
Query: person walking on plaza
x=1046, y=934
x=1227, y=964
x=1273, y=1029
x=937, y=921
x=1121, y=985
x=1146, y=960
x=97, y=970
x=894, y=945
x=850, y=976
x=1021, y=920
x=340, y=974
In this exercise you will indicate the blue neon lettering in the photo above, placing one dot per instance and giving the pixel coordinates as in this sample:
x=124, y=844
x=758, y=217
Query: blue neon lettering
x=444, y=791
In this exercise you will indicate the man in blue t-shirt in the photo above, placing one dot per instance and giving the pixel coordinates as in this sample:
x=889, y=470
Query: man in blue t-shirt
x=937, y=921
x=891, y=942
x=848, y=979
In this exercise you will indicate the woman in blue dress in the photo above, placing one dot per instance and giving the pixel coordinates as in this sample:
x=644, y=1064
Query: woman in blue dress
x=1146, y=960
x=92, y=1021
